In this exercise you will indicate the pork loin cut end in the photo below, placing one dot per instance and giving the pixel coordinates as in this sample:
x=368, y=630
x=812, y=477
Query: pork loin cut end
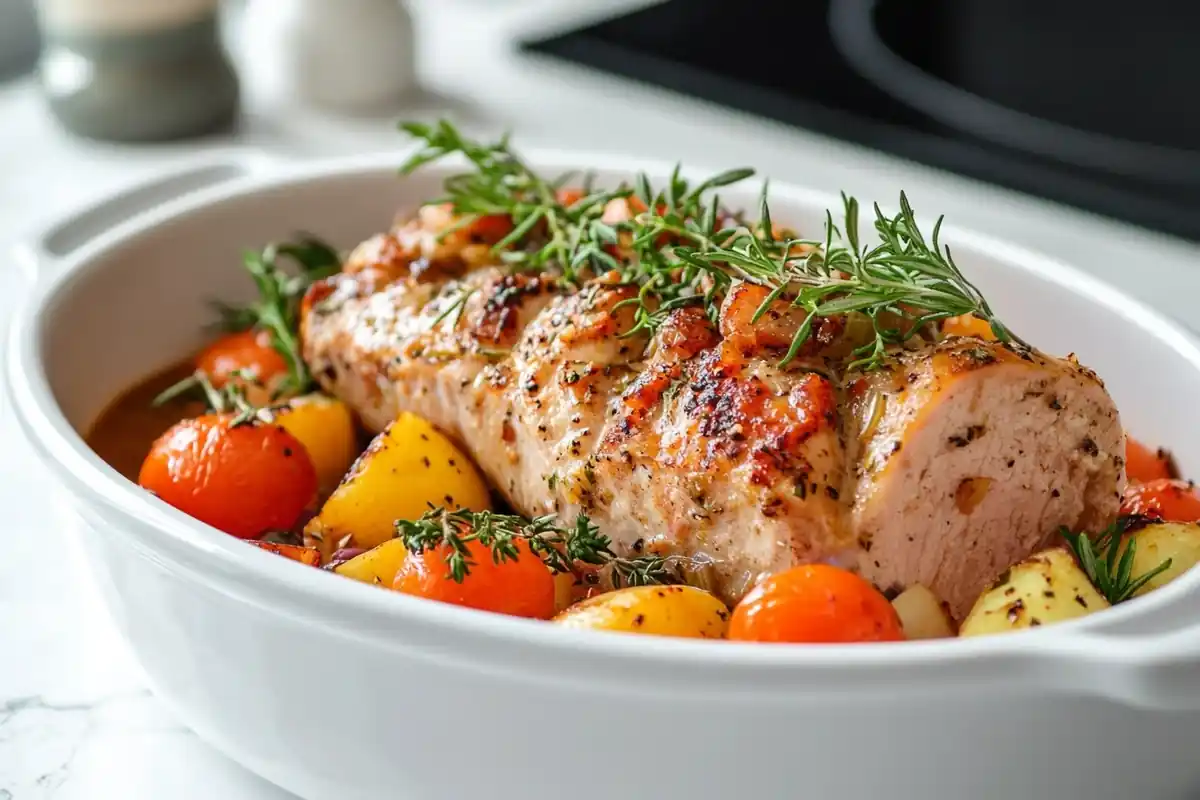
x=972, y=458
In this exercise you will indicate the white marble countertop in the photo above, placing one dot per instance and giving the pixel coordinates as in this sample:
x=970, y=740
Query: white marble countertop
x=75, y=720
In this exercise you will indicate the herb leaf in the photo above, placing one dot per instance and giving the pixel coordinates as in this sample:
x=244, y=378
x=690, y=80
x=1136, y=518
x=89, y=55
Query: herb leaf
x=681, y=249
x=277, y=310
x=559, y=548
x=1108, y=565
x=280, y=293
x=229, y=398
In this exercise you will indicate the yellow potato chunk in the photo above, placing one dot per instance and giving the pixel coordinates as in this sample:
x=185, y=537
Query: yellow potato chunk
x=922, y=614
x=657, y=610
x=1045, y=588
x=1177, y=541
x=407, y=468
x=378, y=565
x=325, y=427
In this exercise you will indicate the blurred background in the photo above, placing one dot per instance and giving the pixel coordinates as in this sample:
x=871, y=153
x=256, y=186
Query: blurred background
x=1085, y=104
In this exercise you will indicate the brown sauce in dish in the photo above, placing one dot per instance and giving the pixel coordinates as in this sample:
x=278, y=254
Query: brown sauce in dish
x=123, y=433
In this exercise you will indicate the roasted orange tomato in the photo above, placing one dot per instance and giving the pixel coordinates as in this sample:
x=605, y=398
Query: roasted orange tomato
x=1143, y=464
x=1166, y=499
x=249, y=351
x=523, y=587
x=244, y=479
x=815, y=603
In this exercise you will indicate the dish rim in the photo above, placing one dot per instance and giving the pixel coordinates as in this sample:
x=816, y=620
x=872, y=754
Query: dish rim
x=212, y=557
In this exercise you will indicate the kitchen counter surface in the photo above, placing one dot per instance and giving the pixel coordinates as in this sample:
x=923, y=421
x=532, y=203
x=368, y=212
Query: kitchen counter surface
x=75, y=718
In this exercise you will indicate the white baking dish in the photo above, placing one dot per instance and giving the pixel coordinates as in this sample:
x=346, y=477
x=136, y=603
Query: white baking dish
x=341, y=691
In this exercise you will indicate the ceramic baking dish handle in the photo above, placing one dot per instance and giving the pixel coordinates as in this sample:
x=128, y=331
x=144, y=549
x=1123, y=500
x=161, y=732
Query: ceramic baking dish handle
x=1151, y=671
x=60, y=239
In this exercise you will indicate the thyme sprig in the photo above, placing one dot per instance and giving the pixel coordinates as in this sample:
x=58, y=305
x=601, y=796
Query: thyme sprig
x=1108, y=565
x=683, y=249
x=278, y=307
x=277, y=310
x=228, y=399
x=558, y=547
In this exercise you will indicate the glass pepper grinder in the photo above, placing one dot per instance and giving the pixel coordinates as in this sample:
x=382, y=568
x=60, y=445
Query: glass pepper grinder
x=137, y=70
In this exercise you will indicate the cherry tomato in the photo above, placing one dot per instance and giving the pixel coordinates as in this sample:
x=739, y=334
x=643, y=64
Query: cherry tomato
x=522, y=588
x=244, y=479
x=251, y=351
x=1169, y=500
x=1143, y=464
x=815, y=603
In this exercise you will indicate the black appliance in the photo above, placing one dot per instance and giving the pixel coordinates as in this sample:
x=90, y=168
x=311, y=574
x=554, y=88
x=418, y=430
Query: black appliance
x=1090, y=103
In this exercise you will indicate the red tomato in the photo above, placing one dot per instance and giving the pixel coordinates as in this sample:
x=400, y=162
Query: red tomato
x=1169, y=500
x=522, y=588
x=490, y=229
x=245, y=480
x=815, y=603
x=1143, y=464
x=249, y=351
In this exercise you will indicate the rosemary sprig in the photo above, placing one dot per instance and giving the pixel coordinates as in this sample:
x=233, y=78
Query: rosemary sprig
x=904, y=276
x=682, y=249
x=570, y=236
x=558, y=547
x=1108, y=565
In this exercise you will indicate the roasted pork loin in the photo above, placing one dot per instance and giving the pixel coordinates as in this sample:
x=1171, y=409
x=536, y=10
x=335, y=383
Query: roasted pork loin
x=954, y=460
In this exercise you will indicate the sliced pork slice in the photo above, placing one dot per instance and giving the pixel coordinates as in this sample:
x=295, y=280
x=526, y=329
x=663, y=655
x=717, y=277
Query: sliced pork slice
x=972, y=454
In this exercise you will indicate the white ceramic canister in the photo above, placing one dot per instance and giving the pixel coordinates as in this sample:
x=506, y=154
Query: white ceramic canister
x=340, y=55
x=137, y=70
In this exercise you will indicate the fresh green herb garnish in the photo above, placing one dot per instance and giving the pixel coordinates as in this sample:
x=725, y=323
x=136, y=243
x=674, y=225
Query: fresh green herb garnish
x=558, y=547
x=276, y=311
x=683, y=249
x=1108, y=565
x=229, y=398
x=280, y=293
x=572, y=235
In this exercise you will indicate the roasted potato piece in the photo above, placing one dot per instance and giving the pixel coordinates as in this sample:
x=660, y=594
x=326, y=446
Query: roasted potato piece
x=922, y=614
x=377, y=566
x=1046, y=587
x=1178, y=541
x=305, y=555
x=406, y=469
x=325, y=427
x=657, y=610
